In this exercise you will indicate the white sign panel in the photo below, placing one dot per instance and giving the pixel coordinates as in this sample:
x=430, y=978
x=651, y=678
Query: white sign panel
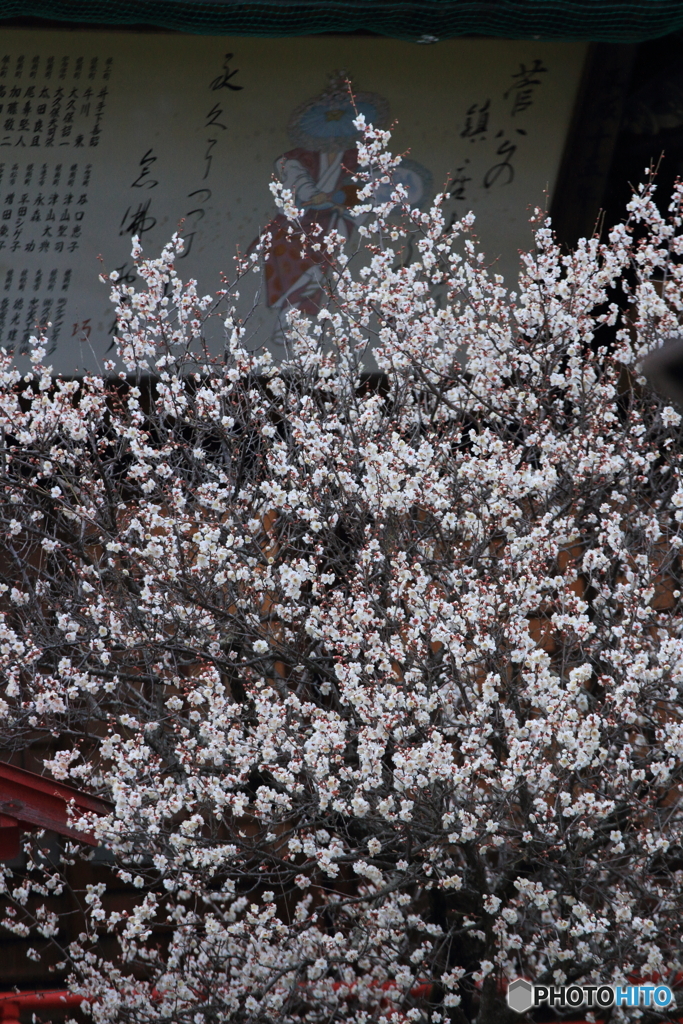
x=107, y=134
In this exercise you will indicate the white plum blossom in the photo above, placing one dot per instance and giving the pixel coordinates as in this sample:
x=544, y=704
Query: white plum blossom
x=380, y=672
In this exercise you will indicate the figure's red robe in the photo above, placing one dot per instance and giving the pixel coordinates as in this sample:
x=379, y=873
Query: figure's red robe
x=286, y=265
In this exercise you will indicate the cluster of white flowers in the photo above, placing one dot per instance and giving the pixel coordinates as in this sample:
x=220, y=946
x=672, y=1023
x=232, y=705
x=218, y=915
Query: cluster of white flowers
x=381, y=672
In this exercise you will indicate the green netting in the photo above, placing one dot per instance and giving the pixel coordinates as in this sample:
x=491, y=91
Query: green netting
x=600, y=20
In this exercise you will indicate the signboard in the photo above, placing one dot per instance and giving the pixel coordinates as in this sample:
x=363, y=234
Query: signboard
x=108, y=134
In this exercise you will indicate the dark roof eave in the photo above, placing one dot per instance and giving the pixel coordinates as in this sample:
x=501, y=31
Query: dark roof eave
x=624, y=21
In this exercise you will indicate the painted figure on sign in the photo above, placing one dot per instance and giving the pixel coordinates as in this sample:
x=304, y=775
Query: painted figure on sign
x=319, y=171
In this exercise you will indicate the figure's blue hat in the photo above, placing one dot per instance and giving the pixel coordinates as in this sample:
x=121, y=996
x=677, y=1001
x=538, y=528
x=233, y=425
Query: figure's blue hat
x=326, y=122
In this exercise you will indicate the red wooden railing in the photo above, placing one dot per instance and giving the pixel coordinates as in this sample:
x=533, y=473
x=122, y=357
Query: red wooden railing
x=13, y=1004
x=29, y=801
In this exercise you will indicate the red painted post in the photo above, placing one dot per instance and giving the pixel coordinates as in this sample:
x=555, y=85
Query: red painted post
x=9, y=837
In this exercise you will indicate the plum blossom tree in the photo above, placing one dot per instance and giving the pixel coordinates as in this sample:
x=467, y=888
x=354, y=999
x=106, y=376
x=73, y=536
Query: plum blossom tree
x=381, y=674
